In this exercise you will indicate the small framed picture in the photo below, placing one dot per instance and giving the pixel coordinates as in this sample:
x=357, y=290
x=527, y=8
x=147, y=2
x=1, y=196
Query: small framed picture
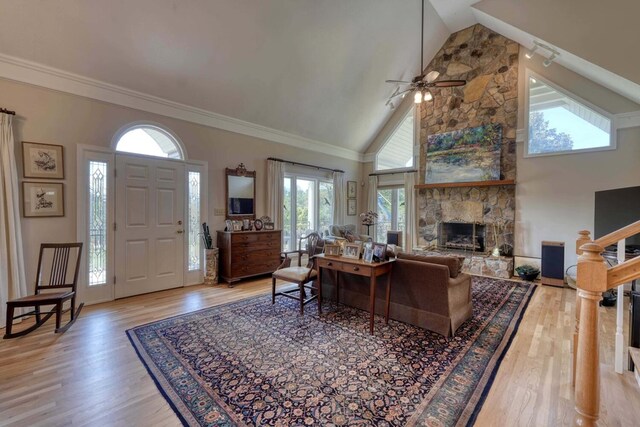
x=258, y=224
x=352, y=250
x=228, y=224
x=351, y=207
x=332, y=250
x=367, y=256
x=379, y=251
x=352, y=190
x=42, y=160
x=269, y=226
x=42, y=199
x=237, y=225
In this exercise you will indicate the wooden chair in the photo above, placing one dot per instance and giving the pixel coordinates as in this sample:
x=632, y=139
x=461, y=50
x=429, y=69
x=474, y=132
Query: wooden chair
x=299, y=275
x=60, y=256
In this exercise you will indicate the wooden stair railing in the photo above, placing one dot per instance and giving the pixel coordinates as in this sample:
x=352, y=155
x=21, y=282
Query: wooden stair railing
x=594, y=278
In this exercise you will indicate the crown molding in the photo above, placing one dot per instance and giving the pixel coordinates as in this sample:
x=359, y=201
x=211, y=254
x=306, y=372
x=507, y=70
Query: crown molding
x=33, y=73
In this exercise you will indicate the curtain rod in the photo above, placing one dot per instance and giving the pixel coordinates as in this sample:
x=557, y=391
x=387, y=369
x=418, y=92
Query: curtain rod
x=304, y=164
x=4, y=110
x=392, y=173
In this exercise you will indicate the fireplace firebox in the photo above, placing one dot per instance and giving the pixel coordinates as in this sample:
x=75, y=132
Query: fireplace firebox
x=462, y=236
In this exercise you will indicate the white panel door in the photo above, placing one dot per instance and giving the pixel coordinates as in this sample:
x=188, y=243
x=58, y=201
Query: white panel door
x=149, y=225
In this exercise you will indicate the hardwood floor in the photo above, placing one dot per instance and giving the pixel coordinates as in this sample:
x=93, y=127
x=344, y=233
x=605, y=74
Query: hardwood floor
x=91, y=375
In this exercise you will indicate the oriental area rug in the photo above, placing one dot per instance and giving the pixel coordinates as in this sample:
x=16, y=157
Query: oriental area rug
x=251, y=363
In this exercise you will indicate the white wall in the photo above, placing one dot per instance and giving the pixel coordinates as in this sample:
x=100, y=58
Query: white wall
x=555, y=195
x=52, y=117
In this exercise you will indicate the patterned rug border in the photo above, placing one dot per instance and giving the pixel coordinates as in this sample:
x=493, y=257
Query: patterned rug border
x=486, y=382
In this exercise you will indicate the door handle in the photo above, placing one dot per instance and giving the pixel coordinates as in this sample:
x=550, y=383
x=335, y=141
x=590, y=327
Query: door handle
x=180, y=231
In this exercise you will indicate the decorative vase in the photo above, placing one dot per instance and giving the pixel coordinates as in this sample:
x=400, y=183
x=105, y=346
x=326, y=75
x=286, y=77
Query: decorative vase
x=495, y=252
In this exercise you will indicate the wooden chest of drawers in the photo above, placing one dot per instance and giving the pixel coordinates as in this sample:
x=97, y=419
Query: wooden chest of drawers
x=248, y=253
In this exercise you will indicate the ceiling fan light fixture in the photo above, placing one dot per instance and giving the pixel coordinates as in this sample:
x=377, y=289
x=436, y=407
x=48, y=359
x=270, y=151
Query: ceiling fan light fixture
x=427, y=96
x=417, y=97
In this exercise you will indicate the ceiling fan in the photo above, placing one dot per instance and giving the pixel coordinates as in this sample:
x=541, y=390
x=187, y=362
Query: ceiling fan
x=423, y=82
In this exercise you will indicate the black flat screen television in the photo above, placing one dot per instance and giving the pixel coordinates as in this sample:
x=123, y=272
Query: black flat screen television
x=616, y=209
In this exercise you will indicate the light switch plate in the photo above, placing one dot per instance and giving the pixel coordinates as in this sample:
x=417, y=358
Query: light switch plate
x=218, y=211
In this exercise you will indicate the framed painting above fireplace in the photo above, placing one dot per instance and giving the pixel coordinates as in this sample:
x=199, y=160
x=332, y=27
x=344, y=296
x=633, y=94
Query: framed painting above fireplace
x=467, y=155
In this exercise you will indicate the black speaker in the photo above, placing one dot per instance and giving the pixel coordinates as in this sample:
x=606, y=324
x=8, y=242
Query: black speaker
x=552, y=264
x=394, y=238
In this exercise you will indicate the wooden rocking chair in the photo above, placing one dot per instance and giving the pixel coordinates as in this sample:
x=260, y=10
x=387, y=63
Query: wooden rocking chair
x=60, y=261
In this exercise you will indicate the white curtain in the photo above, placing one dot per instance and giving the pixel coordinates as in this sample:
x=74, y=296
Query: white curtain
x=372, y=201
x=275, y=191
x=411, y=228
x=13, y=283
x=339, y=199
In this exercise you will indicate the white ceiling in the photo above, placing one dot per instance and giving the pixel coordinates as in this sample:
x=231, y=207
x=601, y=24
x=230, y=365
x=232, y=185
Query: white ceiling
x=312, y=68
x=302, y=72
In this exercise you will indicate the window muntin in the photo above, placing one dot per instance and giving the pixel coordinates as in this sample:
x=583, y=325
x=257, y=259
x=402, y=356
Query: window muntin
x=149, y=141
x=308, y=207
x=391, y=211
x=97, y=222
x=195, y=251
x=558, y=122
x=397, y=151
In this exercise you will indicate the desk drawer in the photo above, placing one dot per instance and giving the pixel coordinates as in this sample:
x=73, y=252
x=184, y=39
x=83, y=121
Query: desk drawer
x=360, y=270
x=329, y=263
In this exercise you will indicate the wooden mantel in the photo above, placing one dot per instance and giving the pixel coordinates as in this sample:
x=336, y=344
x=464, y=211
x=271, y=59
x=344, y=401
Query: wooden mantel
x=468, y=184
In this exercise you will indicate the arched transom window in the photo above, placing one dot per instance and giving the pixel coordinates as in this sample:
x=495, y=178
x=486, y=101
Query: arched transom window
x=151, y=141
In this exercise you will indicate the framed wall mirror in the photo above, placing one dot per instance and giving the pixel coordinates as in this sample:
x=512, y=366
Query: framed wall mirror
x=240, y=193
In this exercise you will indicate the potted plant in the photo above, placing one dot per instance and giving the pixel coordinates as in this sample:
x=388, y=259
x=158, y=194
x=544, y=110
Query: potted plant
x=528, y=272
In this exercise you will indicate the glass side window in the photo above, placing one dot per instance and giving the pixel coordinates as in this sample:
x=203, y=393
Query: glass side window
x=195, y=251
x=97, y=251
x=559, y=123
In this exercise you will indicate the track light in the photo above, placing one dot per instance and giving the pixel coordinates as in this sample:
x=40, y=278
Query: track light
x=417, y=98
x=550, y=60
x=530, y=53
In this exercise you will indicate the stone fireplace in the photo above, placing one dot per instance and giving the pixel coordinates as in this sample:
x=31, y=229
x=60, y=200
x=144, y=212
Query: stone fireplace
x=462, y=236
x=472, y=219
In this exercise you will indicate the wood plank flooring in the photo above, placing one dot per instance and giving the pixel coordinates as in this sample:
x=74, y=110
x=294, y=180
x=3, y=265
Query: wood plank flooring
x=91, y=375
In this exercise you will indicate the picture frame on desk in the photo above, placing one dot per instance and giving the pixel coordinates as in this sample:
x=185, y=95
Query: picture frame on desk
x=379, y=252
x=332, y=250
x=268, y=226
x=352, y=250
x=367, y=256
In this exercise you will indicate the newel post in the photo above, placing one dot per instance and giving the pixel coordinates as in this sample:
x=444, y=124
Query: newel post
x=592, y=281
x=584, y=237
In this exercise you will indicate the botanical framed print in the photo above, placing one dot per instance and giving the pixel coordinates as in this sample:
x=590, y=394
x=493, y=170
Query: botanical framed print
x=351, y=207
x=42, y=199
x=352, y=190
x=42, y=160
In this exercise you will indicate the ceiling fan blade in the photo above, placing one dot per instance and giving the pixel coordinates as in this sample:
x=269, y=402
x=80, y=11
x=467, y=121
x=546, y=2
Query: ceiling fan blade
x=397, y=81
x=431, y=76
x=401, y=93
x=448, y=83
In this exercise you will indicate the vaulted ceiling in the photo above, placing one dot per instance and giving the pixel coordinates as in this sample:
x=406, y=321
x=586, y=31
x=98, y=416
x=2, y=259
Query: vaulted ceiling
x=313, y=69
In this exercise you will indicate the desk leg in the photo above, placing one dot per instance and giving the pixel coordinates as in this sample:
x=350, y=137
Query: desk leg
x=337, y=288
x=320, y=269
x=372, y=303
x=386, y=311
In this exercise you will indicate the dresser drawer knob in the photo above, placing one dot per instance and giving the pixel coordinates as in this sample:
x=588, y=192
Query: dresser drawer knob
x=356, y=268
x=329, y=264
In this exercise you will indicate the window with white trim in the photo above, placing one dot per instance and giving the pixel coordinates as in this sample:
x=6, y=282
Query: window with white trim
x=397, y=151
x=308, y=207
x=391, y=211
x=559, y=122
x=151, y=141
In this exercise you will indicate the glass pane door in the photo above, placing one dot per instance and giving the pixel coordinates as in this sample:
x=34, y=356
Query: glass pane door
x=305, y=206
x=287, y=228
x=385, y=214
x=325, y=205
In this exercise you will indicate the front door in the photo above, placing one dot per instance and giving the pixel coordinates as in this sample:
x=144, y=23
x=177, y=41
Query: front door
x=149, y=225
